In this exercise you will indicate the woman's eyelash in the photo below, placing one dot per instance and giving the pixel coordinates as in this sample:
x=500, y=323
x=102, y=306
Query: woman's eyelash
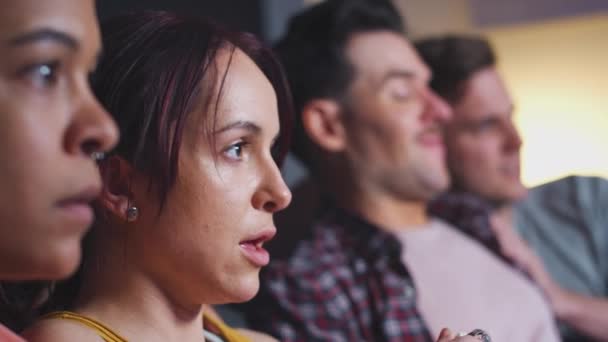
x=235, y=151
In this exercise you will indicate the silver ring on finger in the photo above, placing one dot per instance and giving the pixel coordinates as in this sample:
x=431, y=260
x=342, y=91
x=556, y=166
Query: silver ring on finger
x=482, y=335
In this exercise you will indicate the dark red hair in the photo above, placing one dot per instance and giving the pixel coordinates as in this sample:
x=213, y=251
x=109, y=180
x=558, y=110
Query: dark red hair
x=154, y=69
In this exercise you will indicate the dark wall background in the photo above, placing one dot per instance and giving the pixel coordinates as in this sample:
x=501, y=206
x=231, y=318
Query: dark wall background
x=242, y=15
x=265, y=18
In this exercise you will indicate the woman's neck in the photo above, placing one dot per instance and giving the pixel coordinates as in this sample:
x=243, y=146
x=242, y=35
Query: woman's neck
x=135, y=305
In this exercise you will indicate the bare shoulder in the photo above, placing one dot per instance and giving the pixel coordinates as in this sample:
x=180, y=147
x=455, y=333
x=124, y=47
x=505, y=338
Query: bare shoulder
x=256, y=336
x=56, y=330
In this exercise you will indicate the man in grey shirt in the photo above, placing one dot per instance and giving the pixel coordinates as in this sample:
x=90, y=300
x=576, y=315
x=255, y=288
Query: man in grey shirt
x=557, y=233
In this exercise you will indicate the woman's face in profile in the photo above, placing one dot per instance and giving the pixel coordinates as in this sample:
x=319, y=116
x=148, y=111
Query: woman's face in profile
x=50, y=122
x=207, y=242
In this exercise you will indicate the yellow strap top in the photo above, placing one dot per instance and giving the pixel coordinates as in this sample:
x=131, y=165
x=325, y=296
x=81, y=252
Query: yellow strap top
x=227, y=333
x=104, y=332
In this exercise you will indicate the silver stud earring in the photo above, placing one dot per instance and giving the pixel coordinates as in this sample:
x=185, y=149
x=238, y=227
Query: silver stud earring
x=97, y=156
x=132, y=213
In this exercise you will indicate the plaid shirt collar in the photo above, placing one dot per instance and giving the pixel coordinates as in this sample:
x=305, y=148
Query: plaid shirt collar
x=367, y=239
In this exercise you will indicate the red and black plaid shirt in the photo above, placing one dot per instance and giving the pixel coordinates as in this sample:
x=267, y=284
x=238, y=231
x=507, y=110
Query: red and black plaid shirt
x=346, y=282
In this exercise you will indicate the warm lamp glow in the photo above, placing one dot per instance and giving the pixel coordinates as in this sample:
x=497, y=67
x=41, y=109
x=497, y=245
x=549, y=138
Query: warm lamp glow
x=558, y=75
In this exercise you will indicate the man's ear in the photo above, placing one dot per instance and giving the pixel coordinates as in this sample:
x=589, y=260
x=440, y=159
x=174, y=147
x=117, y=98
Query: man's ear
x=322, y=120
x=116, y=196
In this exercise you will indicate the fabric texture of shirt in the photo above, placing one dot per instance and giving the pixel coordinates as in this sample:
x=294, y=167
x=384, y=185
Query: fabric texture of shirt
x=471, y=215
x=463, y=286
x=566, y=223
x=346, y=282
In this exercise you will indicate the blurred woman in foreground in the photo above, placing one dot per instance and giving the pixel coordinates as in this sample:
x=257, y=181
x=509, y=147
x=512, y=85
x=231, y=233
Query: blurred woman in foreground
x=51, y=128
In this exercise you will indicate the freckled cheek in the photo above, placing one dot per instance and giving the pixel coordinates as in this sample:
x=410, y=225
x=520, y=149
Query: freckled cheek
x=197, y=191
x=213, y=218
x=234, y=195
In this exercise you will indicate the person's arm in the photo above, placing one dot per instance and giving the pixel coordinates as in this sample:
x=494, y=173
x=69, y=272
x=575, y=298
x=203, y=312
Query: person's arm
x=587, y=314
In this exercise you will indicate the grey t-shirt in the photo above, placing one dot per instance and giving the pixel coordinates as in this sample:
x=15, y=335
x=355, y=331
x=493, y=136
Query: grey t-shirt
x=566, y=223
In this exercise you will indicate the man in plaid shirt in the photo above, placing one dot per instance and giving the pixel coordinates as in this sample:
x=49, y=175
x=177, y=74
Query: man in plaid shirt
x=354, y=74
x=369, y=128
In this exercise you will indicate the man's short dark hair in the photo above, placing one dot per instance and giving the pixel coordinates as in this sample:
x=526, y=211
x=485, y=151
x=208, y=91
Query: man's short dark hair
x=453, y=60
x=312, y=51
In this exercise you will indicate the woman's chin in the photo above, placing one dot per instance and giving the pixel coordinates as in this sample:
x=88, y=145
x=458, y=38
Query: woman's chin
x=247, y=288
x=59, y=262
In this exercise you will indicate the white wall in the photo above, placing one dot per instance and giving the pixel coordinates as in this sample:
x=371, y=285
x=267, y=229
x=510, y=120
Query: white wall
x=558, y=74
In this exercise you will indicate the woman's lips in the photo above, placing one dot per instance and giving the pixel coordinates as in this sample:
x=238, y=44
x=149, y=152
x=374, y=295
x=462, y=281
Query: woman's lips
x=77, y=208
x=78, y=212
x=256, y=254
x=253, y=248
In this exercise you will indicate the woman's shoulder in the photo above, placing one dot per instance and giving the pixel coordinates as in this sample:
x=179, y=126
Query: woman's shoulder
x=51, y=330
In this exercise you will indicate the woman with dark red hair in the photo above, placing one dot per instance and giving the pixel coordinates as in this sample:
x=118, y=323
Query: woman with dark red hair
x=189, y=192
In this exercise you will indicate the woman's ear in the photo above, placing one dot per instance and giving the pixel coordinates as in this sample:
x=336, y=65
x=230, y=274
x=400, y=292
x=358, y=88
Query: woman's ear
x=323, y=122
x=116, y=196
